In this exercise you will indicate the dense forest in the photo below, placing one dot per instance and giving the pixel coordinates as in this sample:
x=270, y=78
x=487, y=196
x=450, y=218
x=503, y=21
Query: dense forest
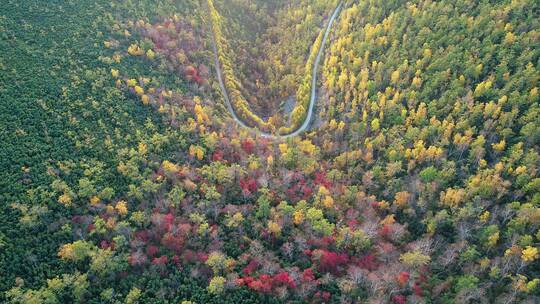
x=144, y=160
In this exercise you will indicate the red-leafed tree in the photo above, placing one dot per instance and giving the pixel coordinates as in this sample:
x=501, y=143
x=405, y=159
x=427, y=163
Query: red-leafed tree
x=152, y=250
x=249, y=186
x=251, y=267
x=308, y=275
x=172, y=242
x=162, y=260
x=403, y=278
x=248, y=145
x=329, y=261
x=368, y=262
x=399, y=299
x=284, y=279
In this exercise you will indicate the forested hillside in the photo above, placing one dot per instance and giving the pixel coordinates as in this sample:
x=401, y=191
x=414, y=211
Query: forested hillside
x=126, y=178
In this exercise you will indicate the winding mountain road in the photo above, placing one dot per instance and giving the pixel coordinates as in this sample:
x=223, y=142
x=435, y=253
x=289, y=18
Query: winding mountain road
x=313, y=97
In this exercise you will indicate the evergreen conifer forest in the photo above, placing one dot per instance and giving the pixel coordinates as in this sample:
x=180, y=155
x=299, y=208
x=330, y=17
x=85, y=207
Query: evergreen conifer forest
x=270, y=151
